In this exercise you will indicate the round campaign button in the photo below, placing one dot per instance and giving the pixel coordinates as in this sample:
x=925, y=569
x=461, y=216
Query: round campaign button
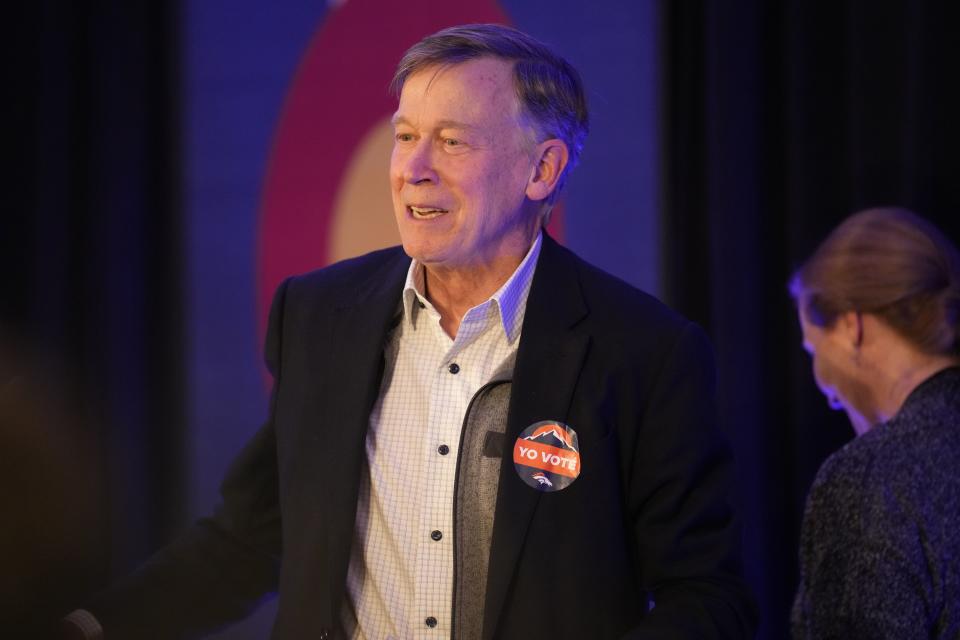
x=547, y=455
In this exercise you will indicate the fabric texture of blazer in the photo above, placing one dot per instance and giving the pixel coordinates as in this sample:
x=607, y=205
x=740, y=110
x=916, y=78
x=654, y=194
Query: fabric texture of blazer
x=648, y=523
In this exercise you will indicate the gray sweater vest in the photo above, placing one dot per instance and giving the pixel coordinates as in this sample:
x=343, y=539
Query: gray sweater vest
x=478, y=474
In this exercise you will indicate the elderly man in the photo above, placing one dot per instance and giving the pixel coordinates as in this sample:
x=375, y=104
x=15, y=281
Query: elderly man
x=493, y=439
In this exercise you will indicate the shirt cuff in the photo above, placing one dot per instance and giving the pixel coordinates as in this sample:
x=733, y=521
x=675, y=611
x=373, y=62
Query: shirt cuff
x=86, y=623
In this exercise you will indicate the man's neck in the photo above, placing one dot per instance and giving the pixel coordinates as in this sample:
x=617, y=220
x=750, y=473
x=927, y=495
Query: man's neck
x=453, y=292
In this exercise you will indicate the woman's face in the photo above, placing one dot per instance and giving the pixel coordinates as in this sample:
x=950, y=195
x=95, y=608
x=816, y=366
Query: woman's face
x=836, y=370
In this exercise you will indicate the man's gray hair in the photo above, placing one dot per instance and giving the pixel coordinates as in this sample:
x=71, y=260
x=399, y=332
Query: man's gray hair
x=548, y=88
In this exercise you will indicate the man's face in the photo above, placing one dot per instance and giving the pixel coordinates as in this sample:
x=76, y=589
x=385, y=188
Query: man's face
x=461, y=162
x=835, y=372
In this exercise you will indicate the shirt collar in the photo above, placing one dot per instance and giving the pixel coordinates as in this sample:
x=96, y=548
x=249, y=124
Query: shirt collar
x=510, y=299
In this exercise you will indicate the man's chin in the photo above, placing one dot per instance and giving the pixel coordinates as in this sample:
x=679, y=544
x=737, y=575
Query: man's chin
x=425, y=255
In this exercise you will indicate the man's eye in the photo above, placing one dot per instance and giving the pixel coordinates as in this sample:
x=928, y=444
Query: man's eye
x=451, y=142
x=404, y=137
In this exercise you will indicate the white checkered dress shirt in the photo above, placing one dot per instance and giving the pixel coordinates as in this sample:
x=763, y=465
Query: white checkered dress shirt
x=400, y=580
x=399, y=575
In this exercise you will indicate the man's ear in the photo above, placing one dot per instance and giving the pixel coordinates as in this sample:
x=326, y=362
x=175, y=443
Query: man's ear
x=552, y=157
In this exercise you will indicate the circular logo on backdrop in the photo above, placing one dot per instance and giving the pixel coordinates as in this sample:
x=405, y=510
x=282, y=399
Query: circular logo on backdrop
x=547, y=456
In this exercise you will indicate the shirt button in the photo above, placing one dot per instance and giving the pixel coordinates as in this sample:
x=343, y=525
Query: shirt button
x=454, y=368
x=436, y=535
x=443, y=449
x=431, y=622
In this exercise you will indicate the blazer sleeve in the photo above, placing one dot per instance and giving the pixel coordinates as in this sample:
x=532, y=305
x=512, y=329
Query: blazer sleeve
x=679, y=497
x=218, y=570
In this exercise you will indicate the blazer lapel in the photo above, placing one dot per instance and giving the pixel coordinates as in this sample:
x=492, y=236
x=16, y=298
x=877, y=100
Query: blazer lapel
x=549, y=360
x=360, y=323
x=359, y=326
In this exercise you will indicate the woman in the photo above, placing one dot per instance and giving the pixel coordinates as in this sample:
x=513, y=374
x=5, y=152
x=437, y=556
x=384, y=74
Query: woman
x=879, y=305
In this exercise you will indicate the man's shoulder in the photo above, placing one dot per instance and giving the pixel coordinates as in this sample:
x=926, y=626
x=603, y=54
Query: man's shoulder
x=619, y=304
x=353, y=274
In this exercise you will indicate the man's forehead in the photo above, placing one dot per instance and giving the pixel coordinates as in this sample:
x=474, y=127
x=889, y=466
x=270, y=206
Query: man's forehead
x=462, y=92
x=400, y=119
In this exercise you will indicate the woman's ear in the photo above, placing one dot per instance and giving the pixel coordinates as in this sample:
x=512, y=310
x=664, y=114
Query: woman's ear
x=851, y=324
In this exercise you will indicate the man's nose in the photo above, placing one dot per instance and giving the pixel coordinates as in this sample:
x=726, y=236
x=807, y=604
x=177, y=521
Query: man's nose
x=419, y=165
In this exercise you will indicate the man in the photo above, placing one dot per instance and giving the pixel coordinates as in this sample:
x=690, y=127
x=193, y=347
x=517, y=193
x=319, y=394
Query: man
x=494, y=439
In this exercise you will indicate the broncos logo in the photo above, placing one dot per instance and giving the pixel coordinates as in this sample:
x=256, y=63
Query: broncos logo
x=542, y=479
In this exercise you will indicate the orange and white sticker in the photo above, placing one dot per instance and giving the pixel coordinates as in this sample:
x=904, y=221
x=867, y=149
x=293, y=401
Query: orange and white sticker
x=546, y=456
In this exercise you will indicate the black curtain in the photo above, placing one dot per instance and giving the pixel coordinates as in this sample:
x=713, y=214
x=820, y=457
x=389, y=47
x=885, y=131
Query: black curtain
x=780, y=119
x=90, y=312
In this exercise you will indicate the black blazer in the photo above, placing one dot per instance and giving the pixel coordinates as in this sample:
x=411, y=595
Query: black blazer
x=648, y=520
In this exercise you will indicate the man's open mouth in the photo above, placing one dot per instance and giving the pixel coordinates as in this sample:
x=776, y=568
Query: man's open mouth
x=423, y=213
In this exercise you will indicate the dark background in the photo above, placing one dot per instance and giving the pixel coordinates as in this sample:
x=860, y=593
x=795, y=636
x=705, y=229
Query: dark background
x=778, y=119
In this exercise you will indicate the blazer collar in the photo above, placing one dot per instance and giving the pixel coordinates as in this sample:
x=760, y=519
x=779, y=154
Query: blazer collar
x=363, y=315
x=382, y=286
